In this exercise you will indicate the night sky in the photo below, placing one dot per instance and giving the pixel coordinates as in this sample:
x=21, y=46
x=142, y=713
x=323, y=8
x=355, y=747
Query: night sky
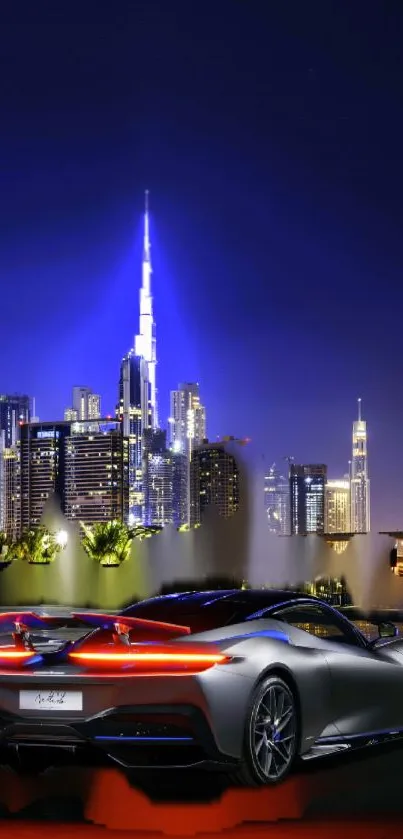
x=270, y=137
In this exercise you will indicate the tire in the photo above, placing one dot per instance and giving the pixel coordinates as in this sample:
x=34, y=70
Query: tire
x=271, y=735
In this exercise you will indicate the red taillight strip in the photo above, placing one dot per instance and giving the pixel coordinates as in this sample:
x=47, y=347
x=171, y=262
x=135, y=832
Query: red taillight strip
x=15, y=655
x=155, y=658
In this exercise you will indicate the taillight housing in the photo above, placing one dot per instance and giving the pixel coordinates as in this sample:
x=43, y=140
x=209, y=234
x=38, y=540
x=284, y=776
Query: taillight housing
x=148, y=659
x=11, y=656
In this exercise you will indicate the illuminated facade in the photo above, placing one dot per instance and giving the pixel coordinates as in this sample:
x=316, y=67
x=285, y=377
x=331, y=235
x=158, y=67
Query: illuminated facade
x=187, y=427
x=137, y=402
x=70, y=415
x=15, y=409
x=165, y=482
x=360, y=484
x=307, y=498
x=132, y=382
x=145, y=342
x=277, y=502
x=187, y=422
x=42, y=454
x=337, y=506
x=214, y=480
x=86, y=405
x=10, y=490
x=96, y=472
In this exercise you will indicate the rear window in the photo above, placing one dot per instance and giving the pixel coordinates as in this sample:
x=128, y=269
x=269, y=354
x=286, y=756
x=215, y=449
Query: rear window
x=198, y=617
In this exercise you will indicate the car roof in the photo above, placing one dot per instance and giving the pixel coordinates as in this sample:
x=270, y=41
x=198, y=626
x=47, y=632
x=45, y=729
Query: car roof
x=254, y=598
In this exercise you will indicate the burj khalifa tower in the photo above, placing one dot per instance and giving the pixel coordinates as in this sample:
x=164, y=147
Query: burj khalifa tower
x=145, y=345
x=137, y=400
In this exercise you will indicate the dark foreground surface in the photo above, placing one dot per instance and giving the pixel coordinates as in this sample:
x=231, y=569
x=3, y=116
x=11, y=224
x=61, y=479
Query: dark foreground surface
x=361, y=795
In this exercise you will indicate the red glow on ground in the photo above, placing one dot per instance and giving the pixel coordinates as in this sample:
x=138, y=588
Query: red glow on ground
x=112, y=805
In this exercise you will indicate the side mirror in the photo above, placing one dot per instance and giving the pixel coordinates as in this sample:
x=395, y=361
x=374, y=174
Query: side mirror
x=387, y=630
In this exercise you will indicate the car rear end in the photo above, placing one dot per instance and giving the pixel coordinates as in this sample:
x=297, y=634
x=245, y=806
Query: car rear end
x=105, y=697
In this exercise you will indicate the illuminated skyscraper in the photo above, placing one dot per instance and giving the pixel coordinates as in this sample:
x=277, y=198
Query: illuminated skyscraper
x=165, y=481
x=95, y=472
x=86, y=403
x=307, y=488
x=10, y=500
x=145, y=342
x=15, y=409
x=132, y=382
x=360, y=484
x=337, y=506
x=137, y=404
x=187, y=423
x=214, y=480
x=277, y=501
x=187, y=426
x=42, y=468
x=86, y=406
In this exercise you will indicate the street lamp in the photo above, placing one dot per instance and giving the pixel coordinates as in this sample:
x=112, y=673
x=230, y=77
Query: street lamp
x=62, y=538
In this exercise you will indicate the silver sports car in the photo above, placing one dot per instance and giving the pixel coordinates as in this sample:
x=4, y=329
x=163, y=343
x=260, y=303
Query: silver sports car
x=242, y=681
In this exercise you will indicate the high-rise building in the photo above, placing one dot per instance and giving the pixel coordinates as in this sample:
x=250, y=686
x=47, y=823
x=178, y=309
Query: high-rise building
x=180, y=494
x=145, y=346
x=360, y=483
x=277, y=501
x=70, y=415
x=96, y=473
x=187, y=422
x=337, y=506
x=307, y=498
x=187, y=426
x=42, y=453
x=214, y=480
x=132, y=381
x=2, y=484
x=165, y=481
x=137, y=403
x=86, y=405
x=15, y=409
x=10, y=490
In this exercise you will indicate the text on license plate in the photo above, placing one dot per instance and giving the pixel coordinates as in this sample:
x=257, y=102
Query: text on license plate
x=51, y=700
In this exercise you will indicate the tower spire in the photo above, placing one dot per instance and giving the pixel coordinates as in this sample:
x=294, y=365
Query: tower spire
x=360, y=482
x=146, y=246
x=145, y=343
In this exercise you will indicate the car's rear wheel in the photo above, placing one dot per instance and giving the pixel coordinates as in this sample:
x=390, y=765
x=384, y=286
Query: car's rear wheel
x=271, y=735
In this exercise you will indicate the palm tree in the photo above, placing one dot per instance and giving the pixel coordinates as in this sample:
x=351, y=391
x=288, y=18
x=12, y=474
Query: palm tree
x=37, y=546
x=108, y=543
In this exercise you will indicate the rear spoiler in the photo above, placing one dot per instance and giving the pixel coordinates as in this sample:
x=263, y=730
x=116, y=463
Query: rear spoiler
x=122, y=625
x=9, y=621
x=20, y=624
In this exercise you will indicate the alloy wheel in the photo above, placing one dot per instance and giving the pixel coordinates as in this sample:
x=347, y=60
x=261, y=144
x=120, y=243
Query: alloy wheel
x=274, y=731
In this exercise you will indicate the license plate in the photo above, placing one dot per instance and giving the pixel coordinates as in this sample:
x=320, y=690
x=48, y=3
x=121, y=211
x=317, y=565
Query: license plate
x=51, y=700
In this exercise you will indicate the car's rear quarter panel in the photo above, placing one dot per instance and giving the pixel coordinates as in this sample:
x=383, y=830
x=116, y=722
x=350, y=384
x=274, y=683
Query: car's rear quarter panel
x=304, y=668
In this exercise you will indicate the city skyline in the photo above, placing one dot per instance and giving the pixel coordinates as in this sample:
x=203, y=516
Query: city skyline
x=154, y=479
x=313, y=501
x=275, y=222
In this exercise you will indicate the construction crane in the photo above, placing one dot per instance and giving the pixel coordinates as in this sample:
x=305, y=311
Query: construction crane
x=290, y=459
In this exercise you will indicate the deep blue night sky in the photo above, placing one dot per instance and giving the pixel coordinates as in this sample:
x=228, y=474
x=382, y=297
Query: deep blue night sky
x=270, y=137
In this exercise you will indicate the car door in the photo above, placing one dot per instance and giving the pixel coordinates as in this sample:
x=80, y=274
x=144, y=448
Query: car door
x=366, y=691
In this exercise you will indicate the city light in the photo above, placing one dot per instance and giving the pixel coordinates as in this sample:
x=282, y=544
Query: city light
x=62, y=538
